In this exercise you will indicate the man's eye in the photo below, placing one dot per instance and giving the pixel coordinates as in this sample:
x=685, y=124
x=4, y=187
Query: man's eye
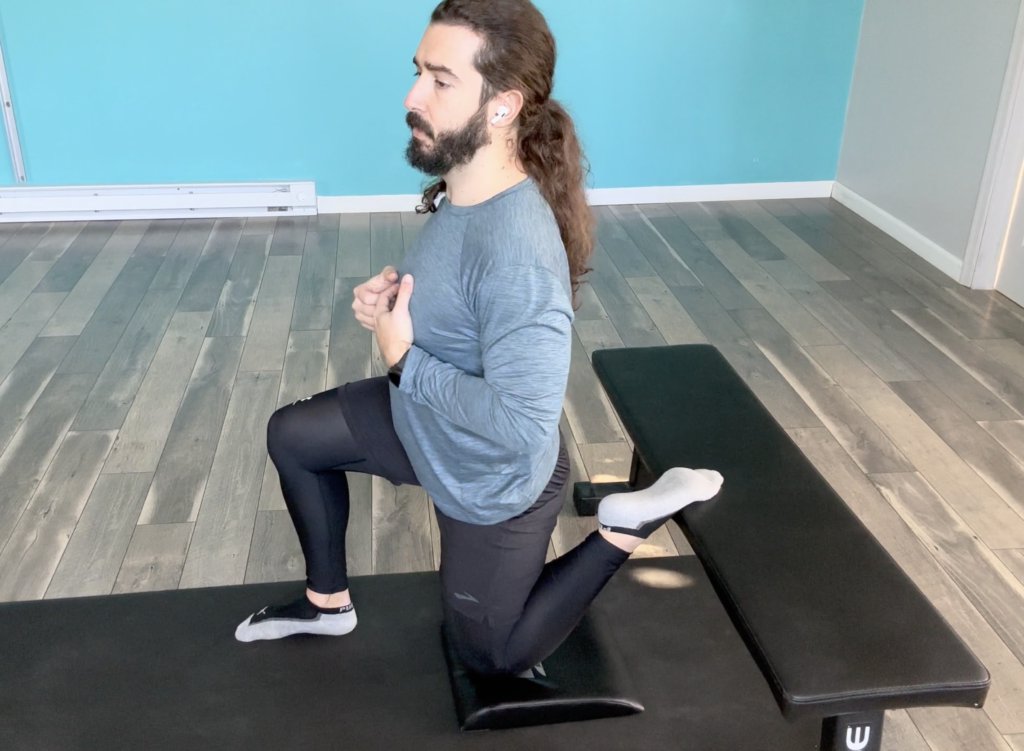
x=443, y=85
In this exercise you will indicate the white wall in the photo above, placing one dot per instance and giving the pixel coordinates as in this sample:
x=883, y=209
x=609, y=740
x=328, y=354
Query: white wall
x=926, y=88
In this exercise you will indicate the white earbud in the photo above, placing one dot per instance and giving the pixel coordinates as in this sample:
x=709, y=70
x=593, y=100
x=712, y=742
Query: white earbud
x=502, y=112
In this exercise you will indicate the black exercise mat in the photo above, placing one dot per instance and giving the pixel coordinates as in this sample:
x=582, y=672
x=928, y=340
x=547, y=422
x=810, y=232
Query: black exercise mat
x=162, y=670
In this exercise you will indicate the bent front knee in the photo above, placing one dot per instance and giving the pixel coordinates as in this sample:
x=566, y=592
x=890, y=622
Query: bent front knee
x=279, y=432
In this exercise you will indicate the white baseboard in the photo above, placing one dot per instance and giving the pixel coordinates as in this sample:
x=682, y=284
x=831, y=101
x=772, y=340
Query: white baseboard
x=607, y=196
x=694, y=193
x=159, y=201
x=929, y=250
x=68, y=203
x=366, y=204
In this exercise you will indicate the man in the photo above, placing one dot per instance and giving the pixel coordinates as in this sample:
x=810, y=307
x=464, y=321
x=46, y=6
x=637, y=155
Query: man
x=476, y=331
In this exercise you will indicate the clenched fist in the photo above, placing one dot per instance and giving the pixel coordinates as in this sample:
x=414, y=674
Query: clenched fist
x=366, y=294
x=395, y=333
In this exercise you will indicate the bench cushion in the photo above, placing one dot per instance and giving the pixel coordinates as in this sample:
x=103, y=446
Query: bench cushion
x=832, y=621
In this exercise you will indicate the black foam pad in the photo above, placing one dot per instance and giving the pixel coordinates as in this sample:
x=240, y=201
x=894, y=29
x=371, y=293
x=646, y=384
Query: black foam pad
x=832, y=620
x=583, y=680
x=162, y=670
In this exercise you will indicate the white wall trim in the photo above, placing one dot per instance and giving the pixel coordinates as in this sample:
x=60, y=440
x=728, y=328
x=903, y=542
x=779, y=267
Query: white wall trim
x=608, y=196
x=68, y=203
x=366, y=204
x=929, y=250
x=1002, y=174
x=694, y=193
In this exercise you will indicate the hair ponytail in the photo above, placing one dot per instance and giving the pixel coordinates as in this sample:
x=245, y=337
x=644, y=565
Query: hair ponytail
x=551, y=154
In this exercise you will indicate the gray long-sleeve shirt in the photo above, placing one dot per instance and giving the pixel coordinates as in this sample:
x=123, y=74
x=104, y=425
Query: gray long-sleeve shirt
x=483, y=384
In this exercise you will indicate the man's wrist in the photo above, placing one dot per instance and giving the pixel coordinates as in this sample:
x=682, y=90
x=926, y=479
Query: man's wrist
x=395, y=371
x=397, y=356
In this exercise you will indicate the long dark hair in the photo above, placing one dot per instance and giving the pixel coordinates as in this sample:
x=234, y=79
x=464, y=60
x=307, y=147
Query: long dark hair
x=518, y=53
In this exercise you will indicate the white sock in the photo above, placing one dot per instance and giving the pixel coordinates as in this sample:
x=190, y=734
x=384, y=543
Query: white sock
x=297, y=617
x=641, y=512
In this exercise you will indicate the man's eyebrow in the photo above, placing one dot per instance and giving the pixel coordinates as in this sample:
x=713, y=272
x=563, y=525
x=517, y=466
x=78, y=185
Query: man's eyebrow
x=436, y=68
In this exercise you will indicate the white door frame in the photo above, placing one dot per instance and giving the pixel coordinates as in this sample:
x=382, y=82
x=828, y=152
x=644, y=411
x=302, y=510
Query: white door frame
x=1001, y=180
x=10, y=125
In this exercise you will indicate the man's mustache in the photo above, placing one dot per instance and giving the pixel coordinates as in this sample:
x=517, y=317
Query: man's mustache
x=414, y=120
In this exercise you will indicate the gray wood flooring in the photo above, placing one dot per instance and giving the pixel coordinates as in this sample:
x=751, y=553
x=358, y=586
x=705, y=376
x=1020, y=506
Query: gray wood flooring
x=140, y=361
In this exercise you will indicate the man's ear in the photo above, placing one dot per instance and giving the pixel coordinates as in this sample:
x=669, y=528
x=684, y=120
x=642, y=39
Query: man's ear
x=511, y=101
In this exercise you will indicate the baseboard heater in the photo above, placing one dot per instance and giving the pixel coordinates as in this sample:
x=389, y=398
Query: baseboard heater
x=168, y=201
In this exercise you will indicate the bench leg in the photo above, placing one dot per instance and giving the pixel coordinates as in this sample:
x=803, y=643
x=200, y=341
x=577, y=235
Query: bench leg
x=587, y=495
x=853, y=732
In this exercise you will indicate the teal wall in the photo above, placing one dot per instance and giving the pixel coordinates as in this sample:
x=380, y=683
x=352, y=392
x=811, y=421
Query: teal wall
x=672, y=92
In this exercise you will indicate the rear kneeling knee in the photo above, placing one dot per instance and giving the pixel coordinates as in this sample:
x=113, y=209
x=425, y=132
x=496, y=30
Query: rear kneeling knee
x=488, y=657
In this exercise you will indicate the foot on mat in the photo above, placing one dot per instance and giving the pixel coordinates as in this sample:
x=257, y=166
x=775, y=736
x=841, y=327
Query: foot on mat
x=298, y=617
x=641, y=512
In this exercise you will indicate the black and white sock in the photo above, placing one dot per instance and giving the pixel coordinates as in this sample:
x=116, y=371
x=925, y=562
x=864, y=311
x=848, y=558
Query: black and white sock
x=641, y=512
x=298, y=617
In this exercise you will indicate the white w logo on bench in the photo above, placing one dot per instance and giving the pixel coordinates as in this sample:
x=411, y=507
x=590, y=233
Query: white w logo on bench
x=854, y=742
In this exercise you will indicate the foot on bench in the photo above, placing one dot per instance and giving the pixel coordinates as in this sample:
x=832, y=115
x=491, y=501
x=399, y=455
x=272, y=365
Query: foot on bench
x=298, y=617
x=641, y=512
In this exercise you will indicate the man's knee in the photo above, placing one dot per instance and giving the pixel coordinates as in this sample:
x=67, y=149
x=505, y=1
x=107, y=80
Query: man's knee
x=486, y=659
x=481, y=647
x=280, y=431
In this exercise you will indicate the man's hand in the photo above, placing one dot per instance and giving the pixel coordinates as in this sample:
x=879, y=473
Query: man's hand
x=393, y=322
x=366, y=295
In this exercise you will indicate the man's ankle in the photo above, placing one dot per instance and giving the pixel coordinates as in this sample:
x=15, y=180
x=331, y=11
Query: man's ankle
x=334, y=600
x=625, y=543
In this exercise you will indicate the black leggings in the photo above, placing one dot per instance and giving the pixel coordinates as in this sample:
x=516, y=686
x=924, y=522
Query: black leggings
x=506, y=609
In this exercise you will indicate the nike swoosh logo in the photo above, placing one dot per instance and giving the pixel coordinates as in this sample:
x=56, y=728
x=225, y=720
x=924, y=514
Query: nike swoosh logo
x=468, y=597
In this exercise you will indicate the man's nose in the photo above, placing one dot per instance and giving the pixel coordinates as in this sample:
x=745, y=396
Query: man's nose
x=414, y=99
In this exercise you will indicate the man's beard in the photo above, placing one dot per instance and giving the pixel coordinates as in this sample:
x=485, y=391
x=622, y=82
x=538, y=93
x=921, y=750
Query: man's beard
x=450, y=148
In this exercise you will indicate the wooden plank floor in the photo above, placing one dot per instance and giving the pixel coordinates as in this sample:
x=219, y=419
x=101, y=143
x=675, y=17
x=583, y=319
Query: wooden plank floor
x=140, y=361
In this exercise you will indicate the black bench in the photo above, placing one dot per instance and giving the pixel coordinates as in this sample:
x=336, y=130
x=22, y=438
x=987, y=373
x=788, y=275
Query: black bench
x=837, y=629
x=792, y=579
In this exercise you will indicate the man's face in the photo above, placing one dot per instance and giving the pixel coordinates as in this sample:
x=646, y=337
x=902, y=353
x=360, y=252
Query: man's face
x=448, y=124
